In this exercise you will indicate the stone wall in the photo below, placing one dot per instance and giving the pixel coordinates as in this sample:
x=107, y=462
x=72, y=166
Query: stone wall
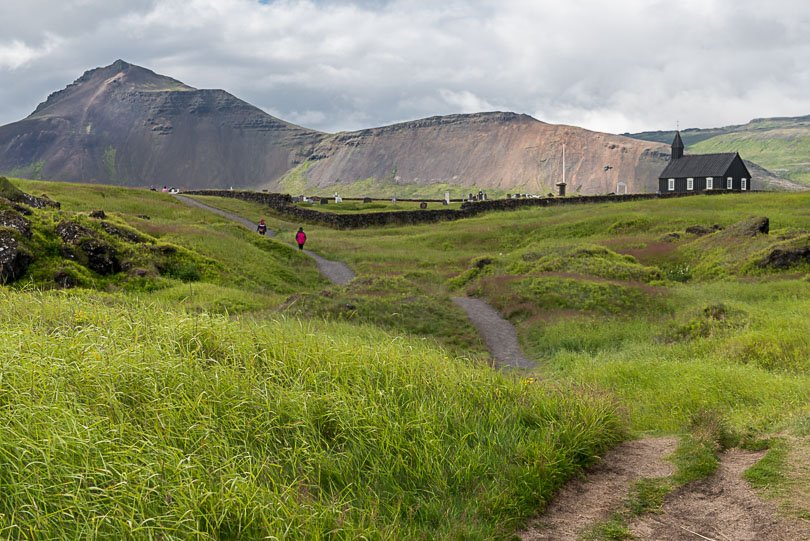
x=283, y=204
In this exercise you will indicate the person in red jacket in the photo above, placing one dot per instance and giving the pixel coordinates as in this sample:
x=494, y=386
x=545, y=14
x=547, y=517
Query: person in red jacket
x=262, y=227
x=300, y=238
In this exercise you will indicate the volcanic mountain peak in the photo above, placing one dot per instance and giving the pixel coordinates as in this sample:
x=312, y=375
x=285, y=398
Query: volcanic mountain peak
x=128, y=125
x=119, y=75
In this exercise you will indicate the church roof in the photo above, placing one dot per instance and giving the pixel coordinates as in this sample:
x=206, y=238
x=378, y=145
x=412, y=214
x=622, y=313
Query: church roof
x=699, y=165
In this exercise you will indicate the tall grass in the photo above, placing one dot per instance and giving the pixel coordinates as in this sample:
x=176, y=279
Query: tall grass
x=120, y=419
x=592, y=322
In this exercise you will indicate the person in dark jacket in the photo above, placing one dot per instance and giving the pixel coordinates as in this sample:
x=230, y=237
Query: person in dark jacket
x=262, y=227
x=300, y=238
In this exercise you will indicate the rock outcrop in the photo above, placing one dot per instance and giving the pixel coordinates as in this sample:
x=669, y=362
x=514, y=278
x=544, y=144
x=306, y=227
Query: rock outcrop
x=14, y=259
x=786, y=255
x=83, y=245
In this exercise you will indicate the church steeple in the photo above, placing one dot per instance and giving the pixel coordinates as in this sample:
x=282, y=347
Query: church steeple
x=677, y=146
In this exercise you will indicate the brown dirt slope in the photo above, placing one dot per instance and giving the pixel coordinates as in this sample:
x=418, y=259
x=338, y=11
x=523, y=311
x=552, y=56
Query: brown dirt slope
x=508, y=151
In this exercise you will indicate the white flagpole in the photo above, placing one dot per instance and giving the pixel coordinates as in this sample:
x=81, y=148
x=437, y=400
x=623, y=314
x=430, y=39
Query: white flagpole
x=563, y=163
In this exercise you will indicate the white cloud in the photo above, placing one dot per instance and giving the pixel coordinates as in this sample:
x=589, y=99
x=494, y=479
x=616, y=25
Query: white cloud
x=332, y=65
x=15, y=54
x=465, y=101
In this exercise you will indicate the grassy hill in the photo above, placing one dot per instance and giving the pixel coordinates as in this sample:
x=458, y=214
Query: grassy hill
x=781, y=145
x=254, y=399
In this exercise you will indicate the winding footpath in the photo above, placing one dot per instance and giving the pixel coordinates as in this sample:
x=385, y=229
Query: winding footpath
x=336, y=272
x=720, y=508
x=498, y=334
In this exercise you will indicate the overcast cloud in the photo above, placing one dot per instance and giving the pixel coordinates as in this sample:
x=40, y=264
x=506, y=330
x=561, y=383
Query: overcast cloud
x=625, y=65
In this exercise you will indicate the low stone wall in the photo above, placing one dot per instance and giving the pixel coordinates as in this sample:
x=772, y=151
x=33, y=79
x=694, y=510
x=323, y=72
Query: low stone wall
x=283, y=204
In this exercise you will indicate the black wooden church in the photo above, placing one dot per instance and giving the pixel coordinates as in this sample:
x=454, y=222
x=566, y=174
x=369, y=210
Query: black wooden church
x=703, y=172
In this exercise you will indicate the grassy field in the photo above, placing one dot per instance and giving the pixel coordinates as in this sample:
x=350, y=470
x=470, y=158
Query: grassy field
x=129, y=420
x=783, y=151
x=261, y=400
x=600, y=295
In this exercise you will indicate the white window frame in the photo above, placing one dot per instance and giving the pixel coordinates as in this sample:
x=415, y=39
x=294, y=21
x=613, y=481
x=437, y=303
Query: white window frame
x=671, y=184
x=690, y=184
x=743, y=184
x=710, y=183
x=730, y=183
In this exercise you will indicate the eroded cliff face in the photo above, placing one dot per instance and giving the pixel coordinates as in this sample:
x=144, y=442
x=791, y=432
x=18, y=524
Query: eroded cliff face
x=126, y=125
x=490, y=150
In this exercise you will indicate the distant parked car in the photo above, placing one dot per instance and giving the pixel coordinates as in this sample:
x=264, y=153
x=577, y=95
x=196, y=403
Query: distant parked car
x=174, y=190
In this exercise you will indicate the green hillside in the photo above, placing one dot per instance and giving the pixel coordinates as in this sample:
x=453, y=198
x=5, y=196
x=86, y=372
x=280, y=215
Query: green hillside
x=242, y=396
x=780, y=145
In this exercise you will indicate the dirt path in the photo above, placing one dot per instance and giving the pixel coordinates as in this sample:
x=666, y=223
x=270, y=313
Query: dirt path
x=334, y=271
x=721, y=508
x=499, y=335
x=224, y=213
x=584, y=502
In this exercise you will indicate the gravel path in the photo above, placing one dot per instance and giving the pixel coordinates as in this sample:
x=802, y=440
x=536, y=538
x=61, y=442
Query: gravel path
x=337, y=272
x=499, y=335
x=334, y=271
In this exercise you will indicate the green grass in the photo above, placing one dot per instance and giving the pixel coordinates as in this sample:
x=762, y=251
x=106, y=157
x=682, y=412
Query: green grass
x=232, y=260
x=129, y=420
x=383, y=433
x=587, y=287
x=770, y=471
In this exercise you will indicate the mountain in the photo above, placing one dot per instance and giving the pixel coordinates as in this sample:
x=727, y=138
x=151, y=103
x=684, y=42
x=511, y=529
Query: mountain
x=781, y=144
x=503, y=151
x=123, y=124
x=126, y=125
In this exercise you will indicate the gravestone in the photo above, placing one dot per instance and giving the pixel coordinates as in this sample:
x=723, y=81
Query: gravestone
x=324, y=201
x=423, y=205
x=366, y=200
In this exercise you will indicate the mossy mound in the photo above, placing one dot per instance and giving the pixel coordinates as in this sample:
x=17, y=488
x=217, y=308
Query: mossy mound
x=792, y=254
x=14, y=194
x=50, y=248
x=589, y=260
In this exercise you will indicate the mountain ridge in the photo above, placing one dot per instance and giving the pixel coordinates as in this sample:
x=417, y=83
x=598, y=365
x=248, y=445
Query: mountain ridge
x=127, y=125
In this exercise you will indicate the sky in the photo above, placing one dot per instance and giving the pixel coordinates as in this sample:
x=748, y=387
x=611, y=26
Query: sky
x=333, y=65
